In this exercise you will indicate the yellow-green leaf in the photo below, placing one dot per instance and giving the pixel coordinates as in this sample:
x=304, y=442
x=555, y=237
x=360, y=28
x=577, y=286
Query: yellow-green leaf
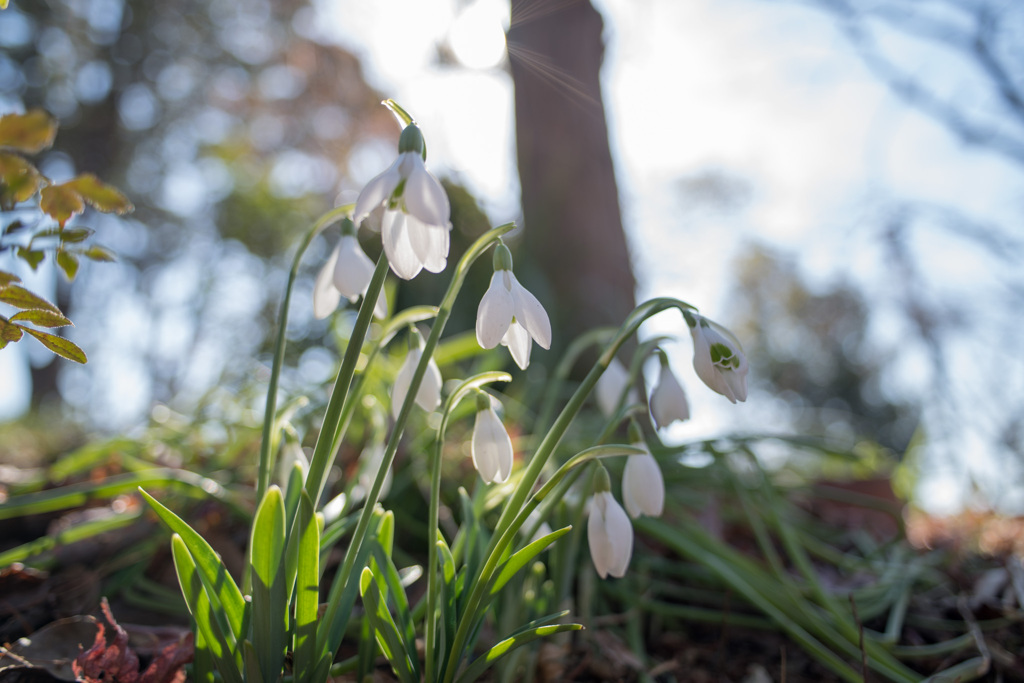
x=76, y=234
x=59, y=345
x=41, y=318
x=68, y=263
x=19, y=179
x=31, y=256
x=100, y=195
x=98, y=253
x=7, y=278
x=31, y=132
x=19, y=297
x=61, y=202
x=9, y=332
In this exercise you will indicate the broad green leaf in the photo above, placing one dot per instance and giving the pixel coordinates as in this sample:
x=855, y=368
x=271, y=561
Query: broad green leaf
x=31, y=132
x=61, y=202
x=19, y=179
x=59, y=345
x=19, y=297
x=68, y=263
x=252, y=663
x=32, y=257
x=269, y=593
x=223, y=589
x=42, y=318
x=198, y=601
x=98, y=253
x=388, y=638
x=202, y=663
x=523, y=557
x=9, y=332
x=487, y=659
x=99, y=195
x=7, y=278
x=307, y=592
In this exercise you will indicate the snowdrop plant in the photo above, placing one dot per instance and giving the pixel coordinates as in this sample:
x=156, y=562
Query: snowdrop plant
x=509, y=314
x=491, y=446
x=668, y=400
x=279, y=619
x=346, y=273
x=718, y=358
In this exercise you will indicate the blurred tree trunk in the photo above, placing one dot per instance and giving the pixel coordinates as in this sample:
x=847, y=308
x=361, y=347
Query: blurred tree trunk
x=578, y=263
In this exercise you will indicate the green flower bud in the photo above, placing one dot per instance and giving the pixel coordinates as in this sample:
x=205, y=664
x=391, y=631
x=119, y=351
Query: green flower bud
x=483, y=401
x=602, y=482
x=502, y=257
x=411, y=140
x=347, y=226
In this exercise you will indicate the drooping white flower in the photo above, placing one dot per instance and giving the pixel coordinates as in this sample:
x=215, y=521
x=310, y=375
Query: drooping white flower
x=610, y=535
x=369, y=462
x=417, y=215
x=347, y=273
x=718, y=358
x=668, y=400
x=428, y=396
x=509, y=314
x=643, y=487
x=491, y=446
x=610, y=387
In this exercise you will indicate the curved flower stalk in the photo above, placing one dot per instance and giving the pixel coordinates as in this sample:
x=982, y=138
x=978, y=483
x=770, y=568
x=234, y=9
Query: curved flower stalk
x=643, y=487
x=346, y=273
x=611, y=386
x=668, y=400
x=509, y=314
x=417, y=215
x=609, y=531
x=491, y=446
x=718, y=358
x=428, y=396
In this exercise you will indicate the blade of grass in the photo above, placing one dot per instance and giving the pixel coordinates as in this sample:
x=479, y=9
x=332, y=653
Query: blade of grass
x=388, y=638
x=487, y=659
x=307, y=591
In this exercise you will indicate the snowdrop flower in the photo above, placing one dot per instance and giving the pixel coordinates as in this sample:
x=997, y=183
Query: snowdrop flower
x=610, y=387
x=429, y=395
x=491, y=445
x=668, y=400
x=718, y=358
x=609, y=532
x=510, y=315
x=347, y=273
x=417, y=215
x=643, y=488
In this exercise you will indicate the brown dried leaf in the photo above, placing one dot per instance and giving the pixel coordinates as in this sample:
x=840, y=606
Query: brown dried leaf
x=31, y=132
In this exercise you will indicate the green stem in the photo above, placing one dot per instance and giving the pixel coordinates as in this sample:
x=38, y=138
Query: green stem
x=533, y=471
x=433, y=590
x=327, y=637
x=266, y=453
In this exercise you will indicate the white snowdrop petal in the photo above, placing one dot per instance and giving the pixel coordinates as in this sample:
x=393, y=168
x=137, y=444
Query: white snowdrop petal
x=403, y=380
x=517, y=339
x=610, y=536
x=380, y=309
x=429, y=243
x=643, y=487
x=353, y=269
x=620, y=531
x=429, y=395
x=494, y=314
x=610, y=387
x=325, y=296
x=530, y=313
x=377, y=191
x=397, y=245
x=668, y=400
x=491, y=447
x=424, y=196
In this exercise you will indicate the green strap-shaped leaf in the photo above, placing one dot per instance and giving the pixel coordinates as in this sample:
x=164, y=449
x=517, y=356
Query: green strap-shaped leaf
x=269, y=593
x=388, y=638
x=252, y=664
x=393, y=580
x=198, y=601
x=307, y=591
x=524, y=556
x=222, y=588
x=59, y=345
x=487, y=659
x=202, y=662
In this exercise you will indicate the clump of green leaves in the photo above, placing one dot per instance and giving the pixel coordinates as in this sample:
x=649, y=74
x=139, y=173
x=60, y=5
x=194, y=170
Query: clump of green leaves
x=34, y=217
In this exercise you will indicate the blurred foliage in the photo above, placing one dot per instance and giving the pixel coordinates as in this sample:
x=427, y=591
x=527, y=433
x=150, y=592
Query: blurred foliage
x=30, y=206
x=811, y=350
